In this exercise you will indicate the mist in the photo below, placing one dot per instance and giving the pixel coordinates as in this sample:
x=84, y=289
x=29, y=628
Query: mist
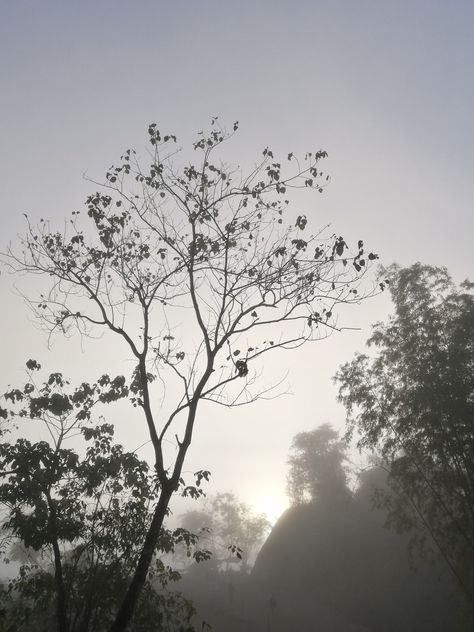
x=313, y=487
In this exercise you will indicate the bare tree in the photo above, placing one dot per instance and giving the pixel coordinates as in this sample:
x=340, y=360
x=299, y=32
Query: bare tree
x=201, y=271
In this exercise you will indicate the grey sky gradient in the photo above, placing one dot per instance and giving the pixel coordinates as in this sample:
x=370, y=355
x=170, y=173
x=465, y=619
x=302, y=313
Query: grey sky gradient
x=387, y=88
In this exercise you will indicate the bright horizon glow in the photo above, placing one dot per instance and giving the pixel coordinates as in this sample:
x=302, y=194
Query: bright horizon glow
x=272, y=505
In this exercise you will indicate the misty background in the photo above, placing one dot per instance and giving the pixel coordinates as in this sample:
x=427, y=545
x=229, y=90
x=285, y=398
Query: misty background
x=386, y=88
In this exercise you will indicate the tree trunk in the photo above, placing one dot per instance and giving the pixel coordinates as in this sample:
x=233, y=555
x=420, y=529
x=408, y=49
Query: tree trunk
x=129, y=602
x=61, y=596
x=58, y=570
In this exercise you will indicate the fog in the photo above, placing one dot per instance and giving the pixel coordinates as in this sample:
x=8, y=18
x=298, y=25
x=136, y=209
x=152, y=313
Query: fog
x=386, y=89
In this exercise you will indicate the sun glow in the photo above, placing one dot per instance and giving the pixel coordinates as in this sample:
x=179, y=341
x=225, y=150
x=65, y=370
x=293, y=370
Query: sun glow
x=272, y=505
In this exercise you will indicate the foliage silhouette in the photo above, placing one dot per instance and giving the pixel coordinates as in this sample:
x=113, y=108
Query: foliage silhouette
x=317, y=466
x=413, y=402
x=78, y=505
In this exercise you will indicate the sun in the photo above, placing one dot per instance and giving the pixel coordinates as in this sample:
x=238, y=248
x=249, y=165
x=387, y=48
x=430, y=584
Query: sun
x=272, y=505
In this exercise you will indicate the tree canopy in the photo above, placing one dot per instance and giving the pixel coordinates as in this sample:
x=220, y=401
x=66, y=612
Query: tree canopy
x=317, y=468
x=412, y=401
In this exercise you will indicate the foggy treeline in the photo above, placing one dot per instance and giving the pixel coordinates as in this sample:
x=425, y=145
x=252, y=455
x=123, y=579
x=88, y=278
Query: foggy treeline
x=331, y=564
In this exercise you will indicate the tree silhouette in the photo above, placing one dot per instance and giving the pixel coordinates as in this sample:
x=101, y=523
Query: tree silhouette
x=230, y=530
x=413, y=402
x=317, y=466
x=200, y=271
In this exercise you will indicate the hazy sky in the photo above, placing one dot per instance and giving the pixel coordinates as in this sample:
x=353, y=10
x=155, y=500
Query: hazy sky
x=385, y=87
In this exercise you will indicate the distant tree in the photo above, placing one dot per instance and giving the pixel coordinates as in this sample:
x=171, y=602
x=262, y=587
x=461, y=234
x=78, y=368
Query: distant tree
x=412, y=401
x=77, y=513
x=200, y=271
x=317, y=469
x=228, y=529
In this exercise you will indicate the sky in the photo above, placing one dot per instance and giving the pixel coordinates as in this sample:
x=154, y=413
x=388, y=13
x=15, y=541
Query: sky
x=386, y=88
